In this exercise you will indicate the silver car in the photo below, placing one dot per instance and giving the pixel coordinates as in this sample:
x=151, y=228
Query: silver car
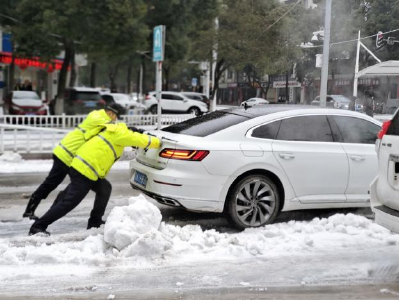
x=336, y=101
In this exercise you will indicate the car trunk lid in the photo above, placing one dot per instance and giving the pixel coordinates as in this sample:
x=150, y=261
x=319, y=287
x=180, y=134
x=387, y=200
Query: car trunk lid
x=151, y=157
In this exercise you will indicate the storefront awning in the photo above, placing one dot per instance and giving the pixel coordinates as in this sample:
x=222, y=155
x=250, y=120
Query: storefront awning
x=385, y=68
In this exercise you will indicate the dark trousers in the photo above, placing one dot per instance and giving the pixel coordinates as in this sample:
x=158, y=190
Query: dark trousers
x=57, y=174
x=75, y=192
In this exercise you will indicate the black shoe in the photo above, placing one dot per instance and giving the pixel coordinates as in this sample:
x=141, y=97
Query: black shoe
x=31, y=207
x=96, y=224
x=35, y=230
x=30, y=215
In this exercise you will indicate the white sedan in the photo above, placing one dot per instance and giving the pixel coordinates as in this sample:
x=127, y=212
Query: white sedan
x=254, y=101
x=253, y=163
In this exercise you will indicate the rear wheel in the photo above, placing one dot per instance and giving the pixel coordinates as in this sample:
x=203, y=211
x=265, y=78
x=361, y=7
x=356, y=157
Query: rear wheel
x=194, y=110
x=254, y=201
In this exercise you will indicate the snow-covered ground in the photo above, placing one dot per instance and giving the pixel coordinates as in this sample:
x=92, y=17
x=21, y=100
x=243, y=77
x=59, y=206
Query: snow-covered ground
x=140, y=250
x=13, y=163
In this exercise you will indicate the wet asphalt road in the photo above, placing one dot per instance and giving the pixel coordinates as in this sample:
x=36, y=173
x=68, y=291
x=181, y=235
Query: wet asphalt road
x=14, y=190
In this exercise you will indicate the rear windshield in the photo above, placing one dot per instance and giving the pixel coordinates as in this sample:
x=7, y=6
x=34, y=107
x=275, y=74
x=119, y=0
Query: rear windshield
x=207, y=124
x=86, y=96
x=25, y=95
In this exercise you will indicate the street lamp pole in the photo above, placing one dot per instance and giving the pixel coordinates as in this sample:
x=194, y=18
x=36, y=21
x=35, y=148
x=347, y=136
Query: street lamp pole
x=326, y=54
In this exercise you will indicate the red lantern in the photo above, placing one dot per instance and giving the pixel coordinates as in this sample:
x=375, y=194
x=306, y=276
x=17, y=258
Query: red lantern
x=50, y=68
x=23, y=65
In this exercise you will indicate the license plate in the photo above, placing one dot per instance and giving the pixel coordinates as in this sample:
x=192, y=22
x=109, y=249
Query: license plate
x=90, y=104
x=140, y=178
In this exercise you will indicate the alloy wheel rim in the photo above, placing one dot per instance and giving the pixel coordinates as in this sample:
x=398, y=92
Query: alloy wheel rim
x=255, y=203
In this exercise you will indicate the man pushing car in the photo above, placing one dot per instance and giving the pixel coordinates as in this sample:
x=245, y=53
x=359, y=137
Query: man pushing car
x=88, y=171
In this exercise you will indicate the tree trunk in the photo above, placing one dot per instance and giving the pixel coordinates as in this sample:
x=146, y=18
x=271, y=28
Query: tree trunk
x=145, y=90
x=62, y=79
x=220, y=68
x=74, y=75
x=112, y=73
x=129, y=77
x=167, y=72
x=93, y=69
x=11, y=83
x=287, y=97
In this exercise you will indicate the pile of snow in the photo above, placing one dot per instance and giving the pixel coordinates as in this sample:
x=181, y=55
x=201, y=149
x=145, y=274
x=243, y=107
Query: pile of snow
x=134, y=235
x=11, y=157
x=135, y=227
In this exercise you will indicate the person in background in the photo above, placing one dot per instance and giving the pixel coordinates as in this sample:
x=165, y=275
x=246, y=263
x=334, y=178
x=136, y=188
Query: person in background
x=368, y=103
x=88, y=172
x=65, y=151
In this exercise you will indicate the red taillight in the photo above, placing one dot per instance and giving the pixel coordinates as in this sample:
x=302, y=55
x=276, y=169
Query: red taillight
x=148, y=97
x=190, y=155
x=384, y=129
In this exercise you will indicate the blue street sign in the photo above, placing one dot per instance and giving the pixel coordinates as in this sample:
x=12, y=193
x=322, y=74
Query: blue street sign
x=158, y=41
x=194, y=81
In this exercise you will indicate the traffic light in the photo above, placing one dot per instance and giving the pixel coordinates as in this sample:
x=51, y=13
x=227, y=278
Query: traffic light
x=380, y=41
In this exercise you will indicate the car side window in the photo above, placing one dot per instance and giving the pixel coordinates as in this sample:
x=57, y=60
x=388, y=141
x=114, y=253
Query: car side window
x=305, y=128
x=175, y=97
x=267, y=131
x=354, y=130
x=167, y=96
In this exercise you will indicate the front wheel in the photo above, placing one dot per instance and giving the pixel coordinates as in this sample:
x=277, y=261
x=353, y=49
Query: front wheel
x=194, y=110
x=154, y=109
x=253, y=202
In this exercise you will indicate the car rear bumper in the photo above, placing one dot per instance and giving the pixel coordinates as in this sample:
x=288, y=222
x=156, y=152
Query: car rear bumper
x=190, y=187
x=384, y=216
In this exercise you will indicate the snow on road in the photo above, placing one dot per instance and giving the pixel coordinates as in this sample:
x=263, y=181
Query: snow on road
x=340, y=248
x=13, y=163
x=137, y=249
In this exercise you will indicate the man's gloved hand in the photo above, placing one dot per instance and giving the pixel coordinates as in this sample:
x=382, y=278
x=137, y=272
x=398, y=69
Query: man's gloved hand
x=135, y=129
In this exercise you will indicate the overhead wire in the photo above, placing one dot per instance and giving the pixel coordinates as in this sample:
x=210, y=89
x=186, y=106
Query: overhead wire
x=282, y=16
x=351, y=41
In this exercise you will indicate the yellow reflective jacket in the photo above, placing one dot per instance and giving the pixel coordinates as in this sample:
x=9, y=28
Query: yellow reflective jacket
x=96, y=157
x=91, y=125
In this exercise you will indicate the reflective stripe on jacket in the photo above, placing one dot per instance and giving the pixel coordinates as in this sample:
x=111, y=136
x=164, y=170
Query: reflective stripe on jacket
x=91, y=125
x=96, y=157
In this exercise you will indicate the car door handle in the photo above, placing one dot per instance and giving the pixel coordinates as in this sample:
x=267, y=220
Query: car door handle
x=357, y=158
x=286, y=155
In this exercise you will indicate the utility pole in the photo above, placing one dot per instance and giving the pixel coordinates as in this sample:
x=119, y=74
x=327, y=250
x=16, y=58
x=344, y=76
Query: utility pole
x=326, y=55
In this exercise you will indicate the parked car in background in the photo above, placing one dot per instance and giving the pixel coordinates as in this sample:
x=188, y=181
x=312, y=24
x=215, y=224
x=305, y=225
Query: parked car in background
x=80, y=101
x=24, y=103
x=125, y=100
x=336, y=101
x=253, y=163
x=384, y=189
x=198, y=96
x=390, y=106
x=253, y=102
x=174, y=102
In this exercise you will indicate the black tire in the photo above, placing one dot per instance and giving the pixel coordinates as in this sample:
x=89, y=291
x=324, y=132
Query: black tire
x=194, y=110
x=154, y=109
x=253, y=201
